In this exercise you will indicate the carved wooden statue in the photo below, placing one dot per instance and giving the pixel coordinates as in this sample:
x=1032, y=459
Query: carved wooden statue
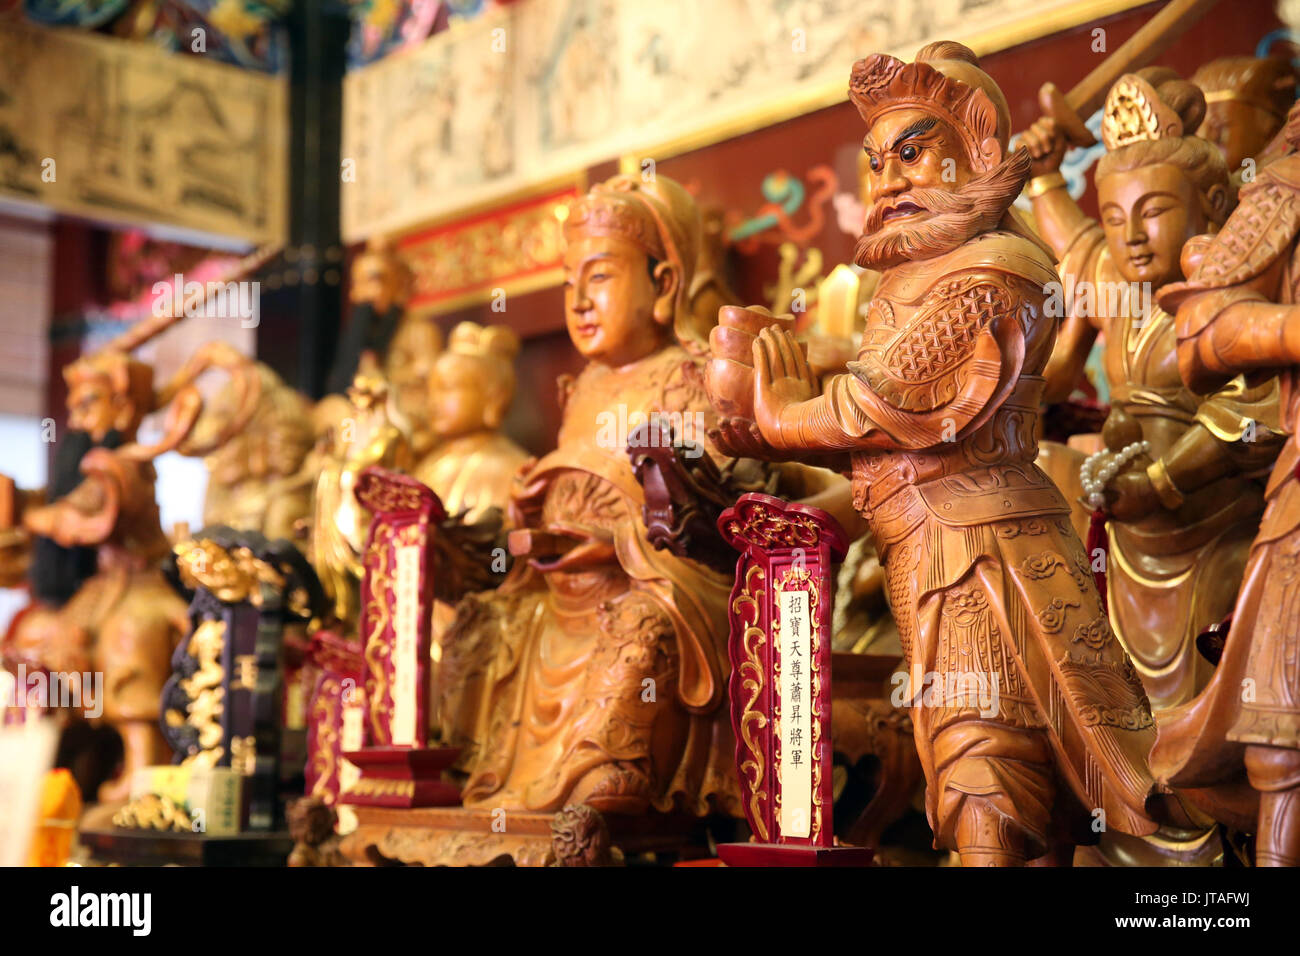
x=364, y=435
x=1237, y=314
x=595, y=674
x=1246, y=101
x=412, y=355
x=987, y=578
x=380, y=289
x=125, y=620
x=1181, y=515
x=472, y=386
x=256, y=480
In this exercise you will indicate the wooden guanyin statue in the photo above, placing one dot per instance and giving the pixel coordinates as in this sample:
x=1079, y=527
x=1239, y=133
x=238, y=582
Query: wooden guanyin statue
x=472, y=385
x=1182, y=515
x=987, y=578
x=1236, y=314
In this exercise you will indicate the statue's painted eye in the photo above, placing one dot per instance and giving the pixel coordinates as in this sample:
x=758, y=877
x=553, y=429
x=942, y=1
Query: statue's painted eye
x=909, y=153
x=875, y=163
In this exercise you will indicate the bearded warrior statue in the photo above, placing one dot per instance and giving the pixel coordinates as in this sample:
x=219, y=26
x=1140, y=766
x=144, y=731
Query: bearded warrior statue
x=1237, y=314
x=986, y=576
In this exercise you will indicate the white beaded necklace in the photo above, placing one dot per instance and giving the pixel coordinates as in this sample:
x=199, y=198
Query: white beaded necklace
x=1094, y=486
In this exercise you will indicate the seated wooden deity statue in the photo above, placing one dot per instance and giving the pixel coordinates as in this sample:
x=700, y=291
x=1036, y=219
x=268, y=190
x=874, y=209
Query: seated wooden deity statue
x=1237, y=314
x=987, y=579
x=472, y=386
x=1181, y=515
x=596, y=672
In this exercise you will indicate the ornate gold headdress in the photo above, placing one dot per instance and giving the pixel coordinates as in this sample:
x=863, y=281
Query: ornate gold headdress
x=1134, y=112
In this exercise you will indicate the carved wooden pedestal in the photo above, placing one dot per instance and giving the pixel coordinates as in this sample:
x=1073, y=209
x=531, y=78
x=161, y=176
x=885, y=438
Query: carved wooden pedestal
x=780, y=651
x=457, y=836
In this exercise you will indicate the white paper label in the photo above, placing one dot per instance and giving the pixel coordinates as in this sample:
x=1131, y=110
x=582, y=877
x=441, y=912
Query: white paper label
x=406, y=631
x=795, y=765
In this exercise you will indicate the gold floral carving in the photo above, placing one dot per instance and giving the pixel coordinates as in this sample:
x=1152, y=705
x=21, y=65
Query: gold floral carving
x=324, y=717
x=1134, y=112
x=232, y=576
x=205, y=693
x=153, y=812
x=751, y=680
x=374, y=787
x=380, y=585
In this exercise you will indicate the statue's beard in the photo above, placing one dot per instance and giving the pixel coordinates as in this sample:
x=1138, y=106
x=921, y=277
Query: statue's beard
x=953, y=217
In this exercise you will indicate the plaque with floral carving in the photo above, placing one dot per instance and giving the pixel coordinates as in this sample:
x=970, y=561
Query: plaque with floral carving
x=780, y=690
x=397, y=768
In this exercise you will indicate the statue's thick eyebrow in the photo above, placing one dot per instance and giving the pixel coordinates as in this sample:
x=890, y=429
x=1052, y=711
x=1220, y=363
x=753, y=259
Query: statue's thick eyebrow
x=923, y=125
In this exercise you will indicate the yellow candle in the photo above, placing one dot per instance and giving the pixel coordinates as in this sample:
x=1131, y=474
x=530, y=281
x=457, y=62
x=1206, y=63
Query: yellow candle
x=837, y=302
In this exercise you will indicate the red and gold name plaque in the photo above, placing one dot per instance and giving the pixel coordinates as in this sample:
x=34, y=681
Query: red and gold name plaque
x=780, y=690
x=397, y=769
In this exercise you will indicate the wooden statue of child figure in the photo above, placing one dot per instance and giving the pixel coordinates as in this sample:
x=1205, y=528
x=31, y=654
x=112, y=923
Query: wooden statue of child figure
x=1237, y=314
x=987, y=578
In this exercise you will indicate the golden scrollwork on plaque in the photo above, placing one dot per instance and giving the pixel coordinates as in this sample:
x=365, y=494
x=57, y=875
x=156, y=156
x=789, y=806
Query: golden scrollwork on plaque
x=747, y=604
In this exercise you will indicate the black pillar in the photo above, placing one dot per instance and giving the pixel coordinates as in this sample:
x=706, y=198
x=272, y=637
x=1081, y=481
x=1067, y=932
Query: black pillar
x=302, y=290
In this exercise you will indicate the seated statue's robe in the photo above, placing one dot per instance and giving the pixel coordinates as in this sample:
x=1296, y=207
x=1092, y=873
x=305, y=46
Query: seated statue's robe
x=607, y=685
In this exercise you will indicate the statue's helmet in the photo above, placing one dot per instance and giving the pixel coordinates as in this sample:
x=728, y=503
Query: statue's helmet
x=945, y=79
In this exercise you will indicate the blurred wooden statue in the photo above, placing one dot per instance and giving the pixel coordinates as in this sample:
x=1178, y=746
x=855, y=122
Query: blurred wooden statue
x=409, y=365
x=380, y=289
x=125, y=620
x=1184, y=494
x=255, y=479
x=1237, y=314
x=1246, y=102
x=987, y=579
x=363, y=435
x=470, y=391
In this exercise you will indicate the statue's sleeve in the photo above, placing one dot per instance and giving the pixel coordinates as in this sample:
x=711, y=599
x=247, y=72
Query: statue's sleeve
x=1082, y=269
x=946, y=371
x=1227, y=317
x=1246, y=422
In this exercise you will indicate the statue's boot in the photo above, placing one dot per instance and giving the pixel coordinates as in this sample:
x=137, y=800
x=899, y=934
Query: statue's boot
x=1275, y=773
x=986, y=837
